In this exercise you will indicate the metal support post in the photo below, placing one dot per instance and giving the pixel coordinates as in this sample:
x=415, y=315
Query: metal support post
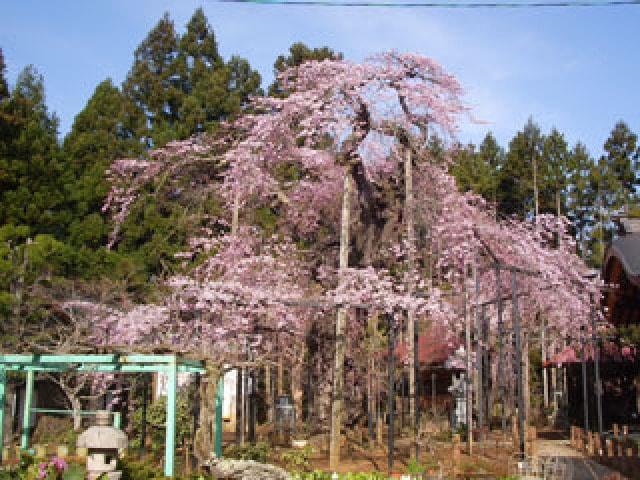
x=218, y=403
x=170, y=441
x=3, y=387
x=26, y=414
x=145, y=401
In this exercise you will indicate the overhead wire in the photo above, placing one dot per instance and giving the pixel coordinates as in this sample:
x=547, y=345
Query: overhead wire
x=442, y=4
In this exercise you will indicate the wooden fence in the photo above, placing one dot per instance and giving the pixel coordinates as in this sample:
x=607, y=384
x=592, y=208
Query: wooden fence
x=618, y=451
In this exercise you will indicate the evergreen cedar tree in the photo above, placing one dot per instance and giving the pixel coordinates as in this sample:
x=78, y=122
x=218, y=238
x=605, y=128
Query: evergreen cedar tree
x=339, y=118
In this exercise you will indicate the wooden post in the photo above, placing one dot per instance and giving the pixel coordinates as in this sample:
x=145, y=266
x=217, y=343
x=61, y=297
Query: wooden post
x=280, y=379
x=456, y=452
x=527, y=379
x=479, y=354
x=519, y=363
x=392, y=394
x=610, y=451
x=543, y=348
x=469, y=367
x=433, y=394
x=268, y=393
x=585, y=397
x=411, y=327
x=501, y=382
x=341, y=321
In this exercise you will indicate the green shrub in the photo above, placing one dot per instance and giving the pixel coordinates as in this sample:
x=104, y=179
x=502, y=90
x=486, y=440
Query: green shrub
x=260, y=452
x=297, y=459
x=320, y=475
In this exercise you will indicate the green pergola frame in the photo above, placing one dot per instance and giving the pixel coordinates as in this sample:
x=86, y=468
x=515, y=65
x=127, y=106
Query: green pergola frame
x=108, y=363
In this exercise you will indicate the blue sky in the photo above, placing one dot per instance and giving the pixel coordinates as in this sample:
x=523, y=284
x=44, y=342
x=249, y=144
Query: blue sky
x=577, y=69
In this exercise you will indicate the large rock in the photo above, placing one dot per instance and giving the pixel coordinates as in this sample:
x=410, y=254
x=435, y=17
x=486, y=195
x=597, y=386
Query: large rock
x=224, y=468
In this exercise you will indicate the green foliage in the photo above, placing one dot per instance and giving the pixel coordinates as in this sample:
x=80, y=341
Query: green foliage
x=298, y=54
x=157, y=415
x=415, y=468
x=260, y=452
x=320, y=475
x=478, y=171
x=297, y=459
x=28, y=468
x=33, y=172
x=181, y=83
x=515, y=188
x=629, y=334
x=75, y=472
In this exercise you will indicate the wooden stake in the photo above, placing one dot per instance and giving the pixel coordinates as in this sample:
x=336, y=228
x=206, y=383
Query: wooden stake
x=341, y=321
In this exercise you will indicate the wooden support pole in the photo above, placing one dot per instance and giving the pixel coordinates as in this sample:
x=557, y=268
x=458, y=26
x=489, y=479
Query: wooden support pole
x=341, y=323
x=585, y=397
x=596, y=365
x=543, y=348
x=519, y=365
x=486, y=368
x=392, y=394
x=500, y=376
x=479, y=355
x=433, y=394
x=469, y=366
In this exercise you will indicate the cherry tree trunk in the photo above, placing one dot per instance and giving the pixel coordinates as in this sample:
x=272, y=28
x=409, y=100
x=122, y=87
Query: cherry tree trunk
x=341, y=320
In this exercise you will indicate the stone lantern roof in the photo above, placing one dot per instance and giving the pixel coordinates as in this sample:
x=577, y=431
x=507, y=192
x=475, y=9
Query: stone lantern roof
x=102, y=436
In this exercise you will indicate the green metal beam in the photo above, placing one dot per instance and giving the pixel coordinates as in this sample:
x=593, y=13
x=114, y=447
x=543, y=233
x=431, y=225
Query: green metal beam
x=34, y=358
x=26, y=414
x=117, y=420
x=102, y=368
x=117, y=416
x=170, y=440
x=218, y=433
x=113, y=363
x=3, y=385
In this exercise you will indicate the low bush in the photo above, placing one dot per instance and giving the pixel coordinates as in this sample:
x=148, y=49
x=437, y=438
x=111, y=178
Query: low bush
x=260, y=452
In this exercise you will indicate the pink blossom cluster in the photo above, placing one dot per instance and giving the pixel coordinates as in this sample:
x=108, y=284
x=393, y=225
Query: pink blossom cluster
x=52, y=469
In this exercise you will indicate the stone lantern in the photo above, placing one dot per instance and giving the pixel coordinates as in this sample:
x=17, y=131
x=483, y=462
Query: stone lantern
x=285, y=420
x=103, y=443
